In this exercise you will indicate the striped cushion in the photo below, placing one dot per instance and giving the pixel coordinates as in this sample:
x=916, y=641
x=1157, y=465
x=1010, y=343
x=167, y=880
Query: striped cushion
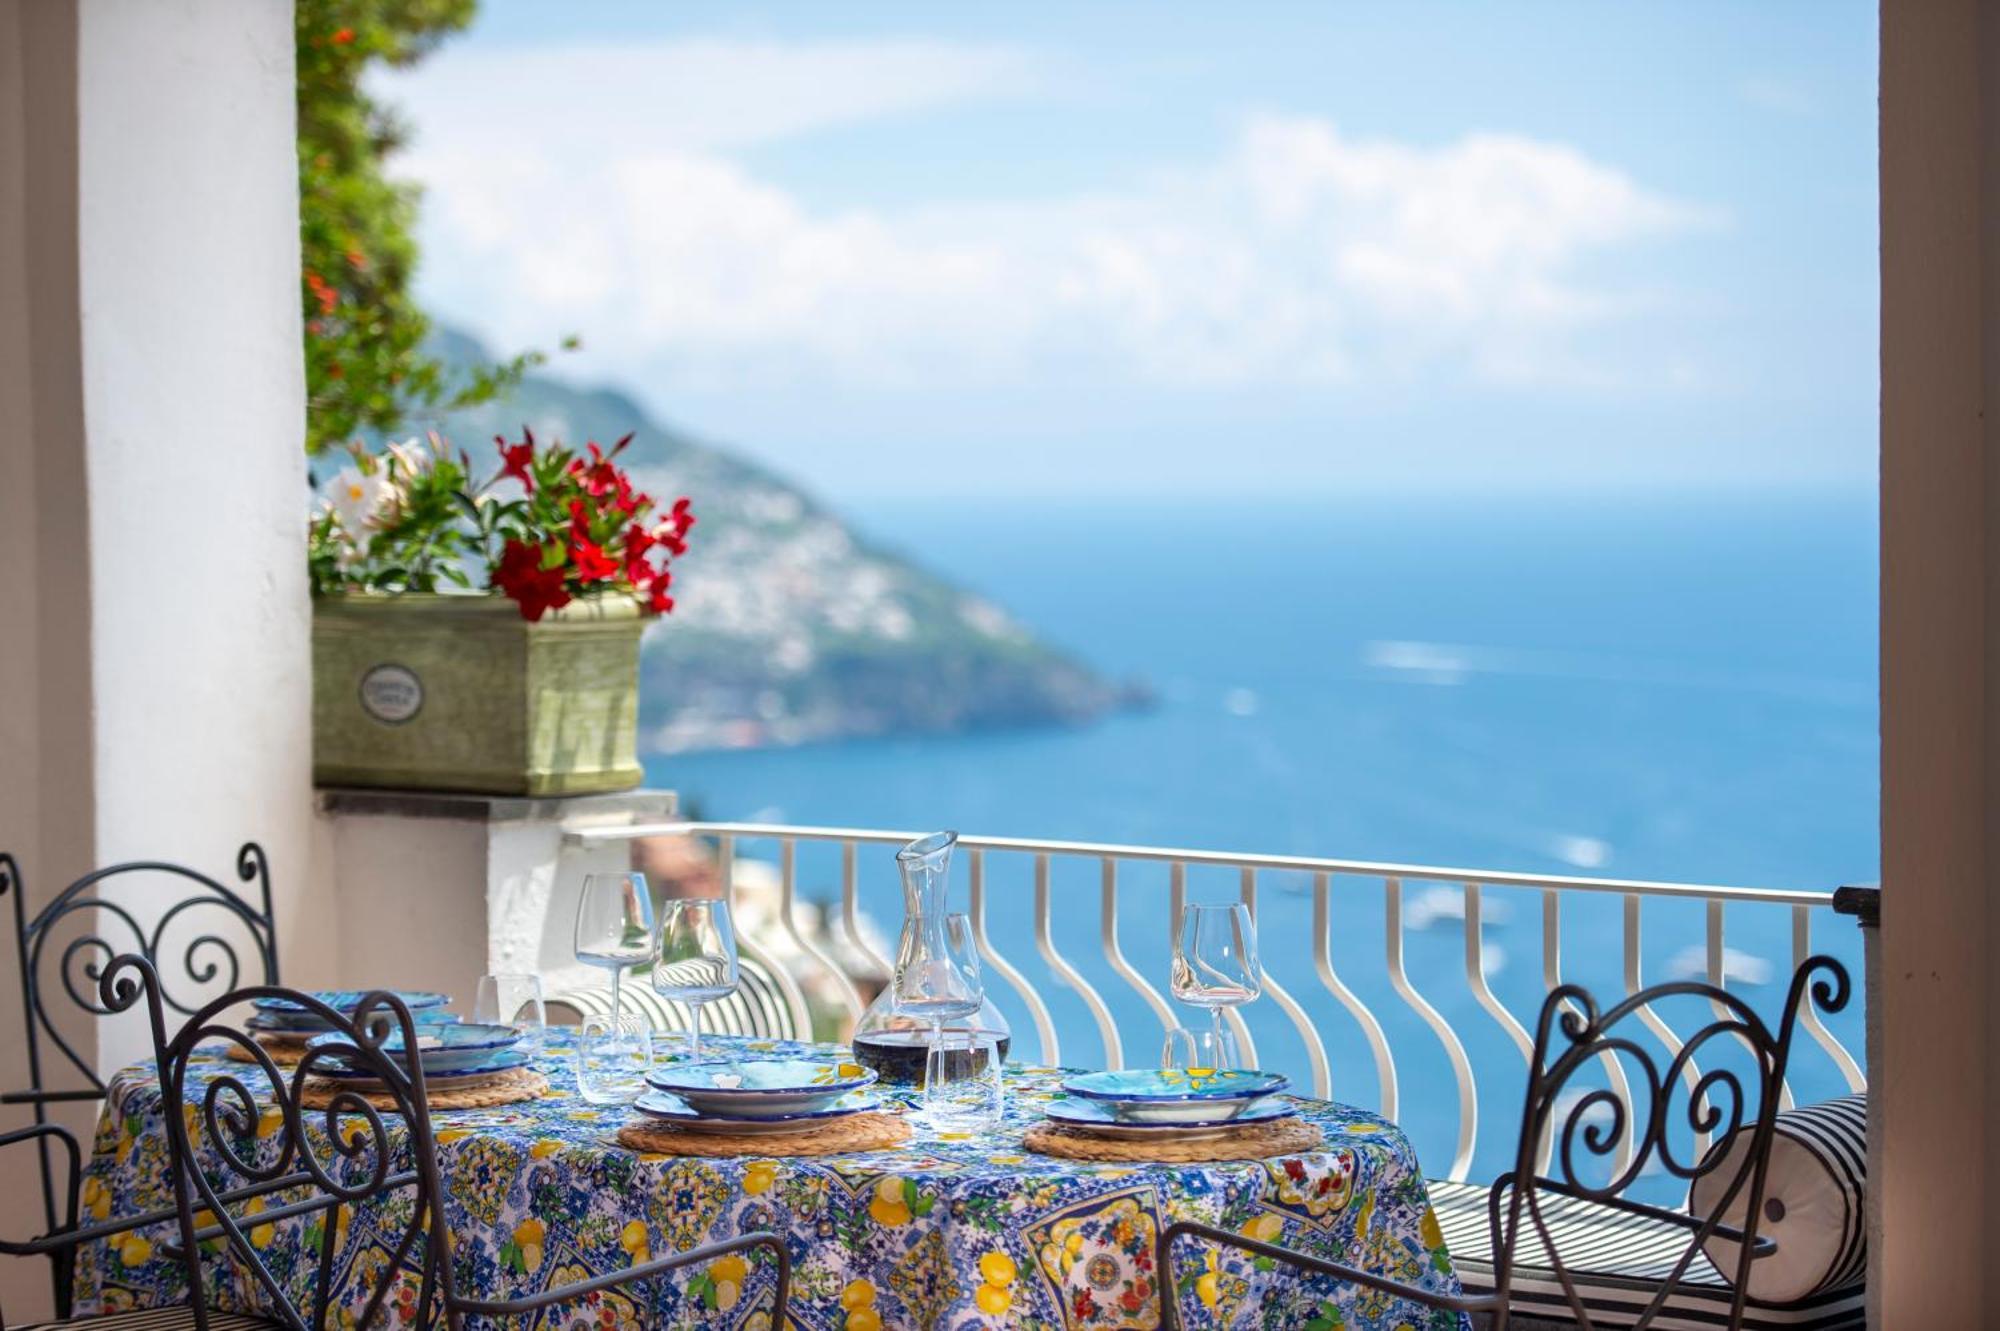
x=1814, y=1201
x=1617, y=1263
x=177, y=1318
x=757, y=1009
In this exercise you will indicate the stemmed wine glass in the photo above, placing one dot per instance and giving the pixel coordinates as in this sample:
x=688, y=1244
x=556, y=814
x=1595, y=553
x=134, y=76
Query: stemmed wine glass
x=695, y=961
x=614, y=928
x=937, y=980
x=1215, y=961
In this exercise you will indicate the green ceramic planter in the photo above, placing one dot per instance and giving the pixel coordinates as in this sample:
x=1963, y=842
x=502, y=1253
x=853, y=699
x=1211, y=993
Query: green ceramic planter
x=437, y=692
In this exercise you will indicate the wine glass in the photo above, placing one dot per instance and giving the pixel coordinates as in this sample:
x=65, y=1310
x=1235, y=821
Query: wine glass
x=612, y=1060
x=1200, y=1050
x=695, y=961
x=937, y=979
x=614, y=929
x=513, y=1000
x=1215, y=961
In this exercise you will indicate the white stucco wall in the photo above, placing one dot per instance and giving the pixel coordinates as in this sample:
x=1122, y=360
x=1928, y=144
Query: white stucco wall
x=193, y=388
x=155, y=676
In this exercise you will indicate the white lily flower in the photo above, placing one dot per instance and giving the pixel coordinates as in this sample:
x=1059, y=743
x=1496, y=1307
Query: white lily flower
x=357, y=499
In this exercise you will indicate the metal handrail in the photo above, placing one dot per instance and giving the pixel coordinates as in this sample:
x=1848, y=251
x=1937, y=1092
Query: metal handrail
x=598, y=835
x=1631, y=894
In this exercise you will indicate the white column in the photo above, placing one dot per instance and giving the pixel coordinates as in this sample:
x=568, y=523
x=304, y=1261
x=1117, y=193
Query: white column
x=1936, y=1102
x=154, y=664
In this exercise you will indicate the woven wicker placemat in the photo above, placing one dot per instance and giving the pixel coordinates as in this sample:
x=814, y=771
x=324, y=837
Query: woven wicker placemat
x=1253, y=1141
x=861, y=1132
x=283, y=1049
x=502, y=1088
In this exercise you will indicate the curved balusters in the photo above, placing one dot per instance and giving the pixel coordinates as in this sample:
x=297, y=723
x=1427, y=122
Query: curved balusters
x=1614, y=1070
x=1315, y=1047
x=850, y=913
x=1475, y=979
x=1378, y=1043
x=1114, y=955
x=1045, y=1026
x=1809, y=1013
x=1461, y=1066
x=795, y=999
x=1302, y=1010
x=1654, y=1022
x=1114, y=1049
x=1714, y=960
x=788, y=880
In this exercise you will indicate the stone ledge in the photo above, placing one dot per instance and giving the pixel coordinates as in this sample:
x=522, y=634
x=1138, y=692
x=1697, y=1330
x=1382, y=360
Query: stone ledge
x=624, y=806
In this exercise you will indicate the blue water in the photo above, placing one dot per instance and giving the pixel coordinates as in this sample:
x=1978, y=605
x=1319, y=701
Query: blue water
x=1677, y=687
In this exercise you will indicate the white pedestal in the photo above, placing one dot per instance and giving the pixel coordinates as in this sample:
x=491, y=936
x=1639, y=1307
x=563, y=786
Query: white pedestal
x=434, y=890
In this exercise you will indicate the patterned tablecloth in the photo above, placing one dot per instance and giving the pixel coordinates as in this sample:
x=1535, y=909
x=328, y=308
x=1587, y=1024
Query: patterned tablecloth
x=967, y=1232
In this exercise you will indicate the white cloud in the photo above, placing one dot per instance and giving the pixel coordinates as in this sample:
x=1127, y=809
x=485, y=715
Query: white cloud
x=607, y=202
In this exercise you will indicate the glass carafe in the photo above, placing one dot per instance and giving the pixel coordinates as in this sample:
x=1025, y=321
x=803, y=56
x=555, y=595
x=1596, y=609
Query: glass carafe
x=889, y=1039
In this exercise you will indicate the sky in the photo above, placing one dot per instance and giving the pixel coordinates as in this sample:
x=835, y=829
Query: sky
x=1181, y=250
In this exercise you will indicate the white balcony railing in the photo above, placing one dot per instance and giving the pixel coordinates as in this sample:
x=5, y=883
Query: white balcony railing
x=1303, y=981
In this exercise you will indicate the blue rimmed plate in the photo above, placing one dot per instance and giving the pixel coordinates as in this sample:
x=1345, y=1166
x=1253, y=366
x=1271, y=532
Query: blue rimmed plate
x=670, y=1108
x=284, y=1014
x=1176, y=1095
x=451, y=1047
x=276, y=1023
x=1102, y=1120
x=761, y=1088
x=443, y=1081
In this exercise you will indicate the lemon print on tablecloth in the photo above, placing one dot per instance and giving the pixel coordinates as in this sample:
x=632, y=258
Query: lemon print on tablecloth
x=633, y=1240
x=857, y=1300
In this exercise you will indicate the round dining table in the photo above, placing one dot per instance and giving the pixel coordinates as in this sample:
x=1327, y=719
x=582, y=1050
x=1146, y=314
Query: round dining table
x=967, y=1230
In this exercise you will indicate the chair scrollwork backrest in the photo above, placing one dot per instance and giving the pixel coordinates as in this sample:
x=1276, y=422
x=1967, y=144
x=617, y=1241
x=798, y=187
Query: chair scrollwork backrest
x=208, y=961
x=86, y=929
x=1590, y=1144
x=252, y=1146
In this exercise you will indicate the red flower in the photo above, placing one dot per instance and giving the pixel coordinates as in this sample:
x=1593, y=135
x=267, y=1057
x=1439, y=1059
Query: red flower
x=517, y=460
x=343, y=37
x=535, y=589
x=659, y=602
x=592, y=564
x=322, y=292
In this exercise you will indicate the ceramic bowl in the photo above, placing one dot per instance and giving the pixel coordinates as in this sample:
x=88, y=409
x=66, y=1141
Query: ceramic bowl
x=284, y=1014
x=673, y=1109
x=1176, y=1095
x=361, y=1078
x=760, y=1088
x=450, y=1047
x=1100, y=1119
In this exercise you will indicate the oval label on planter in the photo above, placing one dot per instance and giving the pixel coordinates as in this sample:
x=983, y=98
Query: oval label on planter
x=392, y=694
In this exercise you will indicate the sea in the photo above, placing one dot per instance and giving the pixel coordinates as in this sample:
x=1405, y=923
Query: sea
x=1675, y=686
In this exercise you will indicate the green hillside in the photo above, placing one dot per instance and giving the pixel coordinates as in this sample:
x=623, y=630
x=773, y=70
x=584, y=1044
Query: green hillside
x=791, y=626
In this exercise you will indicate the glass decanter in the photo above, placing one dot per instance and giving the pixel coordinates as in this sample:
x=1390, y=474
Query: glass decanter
x=895, y=1039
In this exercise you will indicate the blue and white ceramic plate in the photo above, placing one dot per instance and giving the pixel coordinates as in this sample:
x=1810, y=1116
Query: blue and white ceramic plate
x=673, y=1109
x=284, y=1014
x=1176, y=1095
x=305, y=1023
x=443, y=1081
x=761, y=1088
x=444, y=1048
x=1100, y=1119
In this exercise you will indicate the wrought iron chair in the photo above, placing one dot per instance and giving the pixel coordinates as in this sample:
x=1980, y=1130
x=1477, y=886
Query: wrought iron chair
x=80, y=920
x=1531, y=1212
x=348, y=1155
x=67, y=1237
